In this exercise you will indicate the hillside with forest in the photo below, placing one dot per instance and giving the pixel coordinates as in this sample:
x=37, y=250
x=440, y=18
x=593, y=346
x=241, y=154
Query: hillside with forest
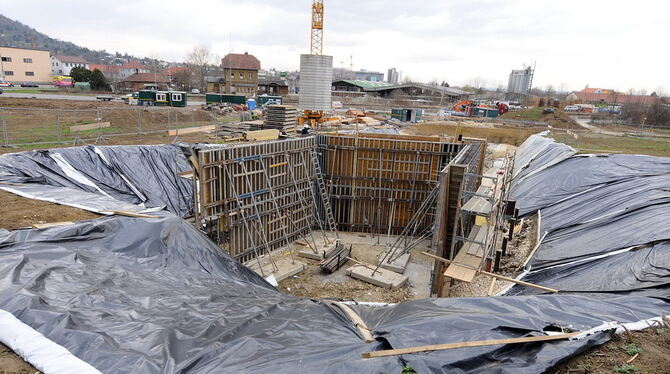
x=16, y=34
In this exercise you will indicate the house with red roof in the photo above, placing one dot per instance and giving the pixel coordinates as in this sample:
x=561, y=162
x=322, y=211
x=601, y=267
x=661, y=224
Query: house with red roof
x=240, y=72
x=111, y=72
x=130, y=68
x=603, y=96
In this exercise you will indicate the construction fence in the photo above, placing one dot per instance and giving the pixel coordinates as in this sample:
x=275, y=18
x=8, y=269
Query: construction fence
x=42, y=126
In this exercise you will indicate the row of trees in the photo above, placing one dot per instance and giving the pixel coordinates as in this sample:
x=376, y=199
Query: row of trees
x=95, y=78
x=655, y=115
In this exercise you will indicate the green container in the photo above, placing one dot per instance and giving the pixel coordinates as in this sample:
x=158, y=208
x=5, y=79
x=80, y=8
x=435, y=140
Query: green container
x=407, y=115
x=262, y=100
x=162, y=98
x=177, y=98
x=147, y=96
x=485, y=112
x=399, y=114
x=234, y=99
x=212, y=98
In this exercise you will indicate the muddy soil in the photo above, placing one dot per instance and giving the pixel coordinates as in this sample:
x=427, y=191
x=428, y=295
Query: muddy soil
x=646, y=351
x=20, y=212
x=10, y=363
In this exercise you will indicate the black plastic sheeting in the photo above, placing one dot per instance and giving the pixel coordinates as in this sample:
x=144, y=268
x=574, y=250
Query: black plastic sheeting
x=536, y=153
x=141, y=175
x=605, y=221
x=579, y=174
x=132, y=295
x=435, y=321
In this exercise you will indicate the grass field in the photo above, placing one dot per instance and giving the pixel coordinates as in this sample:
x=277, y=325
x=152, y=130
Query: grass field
x=531, y=114
x=593, y=143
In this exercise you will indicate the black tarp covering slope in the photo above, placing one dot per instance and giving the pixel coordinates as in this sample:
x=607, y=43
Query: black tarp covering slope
x=146, y=175
x=579, y=174
x=156, y=296
x=435, y=321
x=642, y=271
x=134, y=295
x=594, y=211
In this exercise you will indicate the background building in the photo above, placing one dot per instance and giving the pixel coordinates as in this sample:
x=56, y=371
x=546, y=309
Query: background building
x=145, y=81
x=520, y=81
x=131, y=68
x=241, y=73
x=370, y=76
x=19, y=65
x=62, y=65
x=394, y=76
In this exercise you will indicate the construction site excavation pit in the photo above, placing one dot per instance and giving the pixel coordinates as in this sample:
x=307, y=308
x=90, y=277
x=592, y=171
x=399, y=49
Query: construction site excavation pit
x=348, y=217
x=346, y=241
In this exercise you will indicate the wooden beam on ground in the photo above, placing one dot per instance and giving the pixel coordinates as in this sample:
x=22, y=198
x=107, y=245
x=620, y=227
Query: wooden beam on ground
x=90, y=126
x=357, y=320
x=190, y=130
x=475, y=343
x=498, y=276
x=128, y=214
x=51, y=224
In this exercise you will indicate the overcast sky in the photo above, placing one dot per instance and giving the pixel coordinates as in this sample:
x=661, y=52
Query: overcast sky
x=611, y=44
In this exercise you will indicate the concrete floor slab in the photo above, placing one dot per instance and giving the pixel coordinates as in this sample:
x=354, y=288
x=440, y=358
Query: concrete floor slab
x=285, y=266
x=398, y=265
x=382, y=277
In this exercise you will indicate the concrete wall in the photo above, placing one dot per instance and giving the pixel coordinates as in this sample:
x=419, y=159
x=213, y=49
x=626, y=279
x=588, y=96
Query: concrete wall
x=316, y=74
x=25, y=65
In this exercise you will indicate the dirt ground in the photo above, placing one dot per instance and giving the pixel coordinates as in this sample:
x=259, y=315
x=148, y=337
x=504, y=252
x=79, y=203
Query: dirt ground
x=648, y=350
x=313, y=283
x=10, y=363
x=26, y=212
x=492, y=133
x=33, y=121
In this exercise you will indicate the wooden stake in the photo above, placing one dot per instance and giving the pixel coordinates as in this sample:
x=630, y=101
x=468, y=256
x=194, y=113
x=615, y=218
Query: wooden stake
x=547, y=289
x=476, y=343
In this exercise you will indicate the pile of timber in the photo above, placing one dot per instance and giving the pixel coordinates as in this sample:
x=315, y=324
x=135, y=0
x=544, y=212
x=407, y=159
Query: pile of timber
x=278, y=116
x=338, y=258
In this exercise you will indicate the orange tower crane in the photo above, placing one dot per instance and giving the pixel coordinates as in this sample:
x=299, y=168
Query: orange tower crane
x=316, y=42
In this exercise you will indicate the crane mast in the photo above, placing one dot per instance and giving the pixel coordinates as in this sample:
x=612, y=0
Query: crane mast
x=316, y=42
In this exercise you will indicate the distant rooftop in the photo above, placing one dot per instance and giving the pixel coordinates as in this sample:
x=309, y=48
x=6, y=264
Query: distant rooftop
x=366, y=84
x=243, y=61
x=72, y=59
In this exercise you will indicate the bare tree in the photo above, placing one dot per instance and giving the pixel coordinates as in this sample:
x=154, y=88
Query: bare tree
x=183, y=79
x=198, y=60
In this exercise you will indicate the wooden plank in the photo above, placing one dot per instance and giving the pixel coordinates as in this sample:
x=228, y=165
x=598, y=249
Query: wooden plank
x=128, y=214
x=190, y=130
x=90, y=126
x=475, y=343
x=357, y=320
x=270, y=134
x=527, y=284
x=51, y=224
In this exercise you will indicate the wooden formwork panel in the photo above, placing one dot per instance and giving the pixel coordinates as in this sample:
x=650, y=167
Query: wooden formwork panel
x=261, y=194
x=376, y=182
